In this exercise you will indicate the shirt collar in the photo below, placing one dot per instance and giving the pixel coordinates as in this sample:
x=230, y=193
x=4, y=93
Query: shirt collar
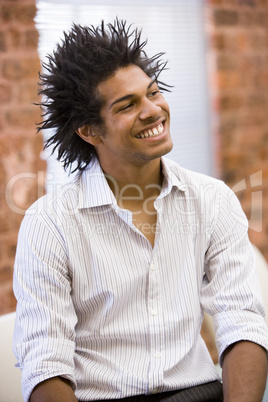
x=171, y=177
x=94, y=189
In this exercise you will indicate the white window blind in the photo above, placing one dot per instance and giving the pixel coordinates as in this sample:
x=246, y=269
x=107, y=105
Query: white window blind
x=175, y=27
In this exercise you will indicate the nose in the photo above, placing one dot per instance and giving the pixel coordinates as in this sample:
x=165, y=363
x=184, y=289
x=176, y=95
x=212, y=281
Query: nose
x=149, y=109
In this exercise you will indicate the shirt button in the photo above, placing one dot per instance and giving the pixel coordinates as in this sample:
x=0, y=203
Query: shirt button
x=154, y=311
x=152, y=266
x=154, y=391
x=157, y=355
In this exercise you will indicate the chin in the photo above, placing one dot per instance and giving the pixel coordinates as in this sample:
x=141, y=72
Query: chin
x=163, y=152
x=167, y=148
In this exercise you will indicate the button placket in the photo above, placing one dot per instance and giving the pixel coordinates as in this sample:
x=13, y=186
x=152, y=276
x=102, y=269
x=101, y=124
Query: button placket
x=155, y=323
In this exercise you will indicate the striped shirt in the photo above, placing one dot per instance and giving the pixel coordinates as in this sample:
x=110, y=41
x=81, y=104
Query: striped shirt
x=98, y=305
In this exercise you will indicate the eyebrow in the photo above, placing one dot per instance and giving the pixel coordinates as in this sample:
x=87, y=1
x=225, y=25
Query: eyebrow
x=129, y=96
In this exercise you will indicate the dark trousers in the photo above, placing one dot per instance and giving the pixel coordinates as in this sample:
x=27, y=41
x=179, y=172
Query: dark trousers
x=211, y=391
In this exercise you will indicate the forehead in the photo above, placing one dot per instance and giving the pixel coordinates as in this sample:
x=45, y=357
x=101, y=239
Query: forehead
x=130, y=80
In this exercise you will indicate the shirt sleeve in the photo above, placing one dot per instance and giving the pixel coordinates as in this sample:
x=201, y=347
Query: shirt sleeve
x=231, y=291
x=44, y=336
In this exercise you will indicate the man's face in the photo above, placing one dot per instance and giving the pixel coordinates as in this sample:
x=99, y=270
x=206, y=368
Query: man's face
x=136, y=120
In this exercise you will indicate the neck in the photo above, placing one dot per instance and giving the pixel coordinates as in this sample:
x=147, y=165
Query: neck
x=136, y=181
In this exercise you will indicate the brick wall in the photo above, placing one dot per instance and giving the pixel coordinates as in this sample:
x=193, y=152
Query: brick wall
x=238, y=63
x=20, y=146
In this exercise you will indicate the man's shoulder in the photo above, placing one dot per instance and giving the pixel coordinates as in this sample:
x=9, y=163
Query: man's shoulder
x=189, y=177
x=64, y=196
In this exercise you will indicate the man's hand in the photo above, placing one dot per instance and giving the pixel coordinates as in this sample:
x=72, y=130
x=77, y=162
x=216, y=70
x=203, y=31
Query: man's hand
x=56, y=389
x=244, y=372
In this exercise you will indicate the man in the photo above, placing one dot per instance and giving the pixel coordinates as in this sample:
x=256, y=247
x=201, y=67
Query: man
x=113, y=274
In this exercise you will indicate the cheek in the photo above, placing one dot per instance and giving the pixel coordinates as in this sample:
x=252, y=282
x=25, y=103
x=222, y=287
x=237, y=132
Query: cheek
x=165, y=106
x=123, y=124
x=161, y=102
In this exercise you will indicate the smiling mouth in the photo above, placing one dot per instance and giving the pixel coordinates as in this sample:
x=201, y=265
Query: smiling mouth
x=153, y=132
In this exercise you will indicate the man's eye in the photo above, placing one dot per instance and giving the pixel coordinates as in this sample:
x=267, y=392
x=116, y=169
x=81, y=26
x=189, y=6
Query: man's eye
x=155, y=92
x=128, y=106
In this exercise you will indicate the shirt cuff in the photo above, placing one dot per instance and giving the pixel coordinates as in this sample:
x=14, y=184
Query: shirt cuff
x=43, y=359
x=235, y=326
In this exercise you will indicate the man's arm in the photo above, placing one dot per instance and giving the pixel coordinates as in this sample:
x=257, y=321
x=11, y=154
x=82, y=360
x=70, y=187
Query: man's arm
x=44, y=334
x=244, y=372
x=56, y=389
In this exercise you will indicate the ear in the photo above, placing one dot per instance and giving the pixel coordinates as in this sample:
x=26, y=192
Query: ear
x=87, y=134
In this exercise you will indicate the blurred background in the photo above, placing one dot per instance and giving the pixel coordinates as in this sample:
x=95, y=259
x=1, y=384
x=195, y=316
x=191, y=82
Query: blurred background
x=217, y=52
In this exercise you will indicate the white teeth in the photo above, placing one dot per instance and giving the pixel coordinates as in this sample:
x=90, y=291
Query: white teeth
x=153, y=132
x=160, y=129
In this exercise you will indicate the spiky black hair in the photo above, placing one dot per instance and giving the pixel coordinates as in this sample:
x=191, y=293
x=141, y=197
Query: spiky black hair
x=85, y=57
